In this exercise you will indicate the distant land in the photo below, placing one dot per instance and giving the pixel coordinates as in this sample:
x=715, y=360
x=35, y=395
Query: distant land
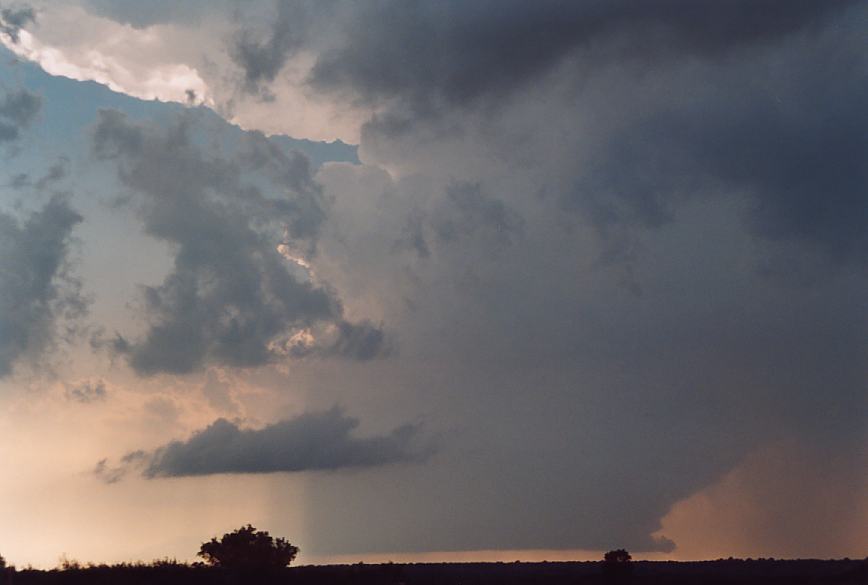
x=728, y=571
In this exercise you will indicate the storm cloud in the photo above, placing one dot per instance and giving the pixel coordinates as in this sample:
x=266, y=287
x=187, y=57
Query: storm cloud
x=38, y=290
x=450, y=53
x=785, y=131
x=605, y=229
x=231, y=298
x=760, y=98
x=684, y=247
x=318, y=441
x=619, y=249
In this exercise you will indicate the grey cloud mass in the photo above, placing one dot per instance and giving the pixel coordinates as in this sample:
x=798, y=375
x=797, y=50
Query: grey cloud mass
x=802, y=162
x=786, y=131
x=317, y=441
x=361, y=341
x=686, y=218
x=447, y=53
x=231, y=297
x=37, y=289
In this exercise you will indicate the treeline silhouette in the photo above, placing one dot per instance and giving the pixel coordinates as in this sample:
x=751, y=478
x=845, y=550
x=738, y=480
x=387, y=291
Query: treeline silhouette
x=720, y=572
x=250, y=557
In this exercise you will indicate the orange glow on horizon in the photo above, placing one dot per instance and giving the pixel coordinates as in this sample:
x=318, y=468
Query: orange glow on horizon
x=475, y=556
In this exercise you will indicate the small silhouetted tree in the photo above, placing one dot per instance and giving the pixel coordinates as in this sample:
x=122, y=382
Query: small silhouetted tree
x=5, y=572
x=619, y=557
x=248, y=548
x=617, y=566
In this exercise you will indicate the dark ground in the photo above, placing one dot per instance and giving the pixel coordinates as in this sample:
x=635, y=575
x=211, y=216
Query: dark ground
x=742, y=572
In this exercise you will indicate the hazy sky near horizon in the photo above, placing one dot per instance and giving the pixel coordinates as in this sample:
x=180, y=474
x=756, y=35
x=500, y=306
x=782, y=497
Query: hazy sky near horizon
x=596, y=276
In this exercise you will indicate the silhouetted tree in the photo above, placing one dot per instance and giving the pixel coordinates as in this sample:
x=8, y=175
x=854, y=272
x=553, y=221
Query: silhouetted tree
x=617, y=557
x=617, y=566
x=5, y=574
x=248, y=548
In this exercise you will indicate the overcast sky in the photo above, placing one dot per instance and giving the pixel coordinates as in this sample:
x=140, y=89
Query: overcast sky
x=434, y=279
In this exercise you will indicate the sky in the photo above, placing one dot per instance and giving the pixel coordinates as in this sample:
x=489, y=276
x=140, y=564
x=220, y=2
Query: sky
x=422, y=280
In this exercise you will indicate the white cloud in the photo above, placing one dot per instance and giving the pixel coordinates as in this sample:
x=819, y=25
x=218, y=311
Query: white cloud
x=125, y=59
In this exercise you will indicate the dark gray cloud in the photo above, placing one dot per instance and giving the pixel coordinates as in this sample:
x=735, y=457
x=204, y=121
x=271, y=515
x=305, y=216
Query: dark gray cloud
x=87, y=392
x=37, y=290
x=261, y=59
x=430, y=54
x=18, y=108
x=788, y=132
x=13, y=19
x=231, y=297
x=421, y=58
x=290, y=171
x=793, y=140
x=684, y=169
x=320, y=441
x=776, y=122
x=360, y=341
x=586, y=412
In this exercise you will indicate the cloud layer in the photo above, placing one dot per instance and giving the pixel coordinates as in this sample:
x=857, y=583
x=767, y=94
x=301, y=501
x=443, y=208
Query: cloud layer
x=452, y=54
x=317, y=441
